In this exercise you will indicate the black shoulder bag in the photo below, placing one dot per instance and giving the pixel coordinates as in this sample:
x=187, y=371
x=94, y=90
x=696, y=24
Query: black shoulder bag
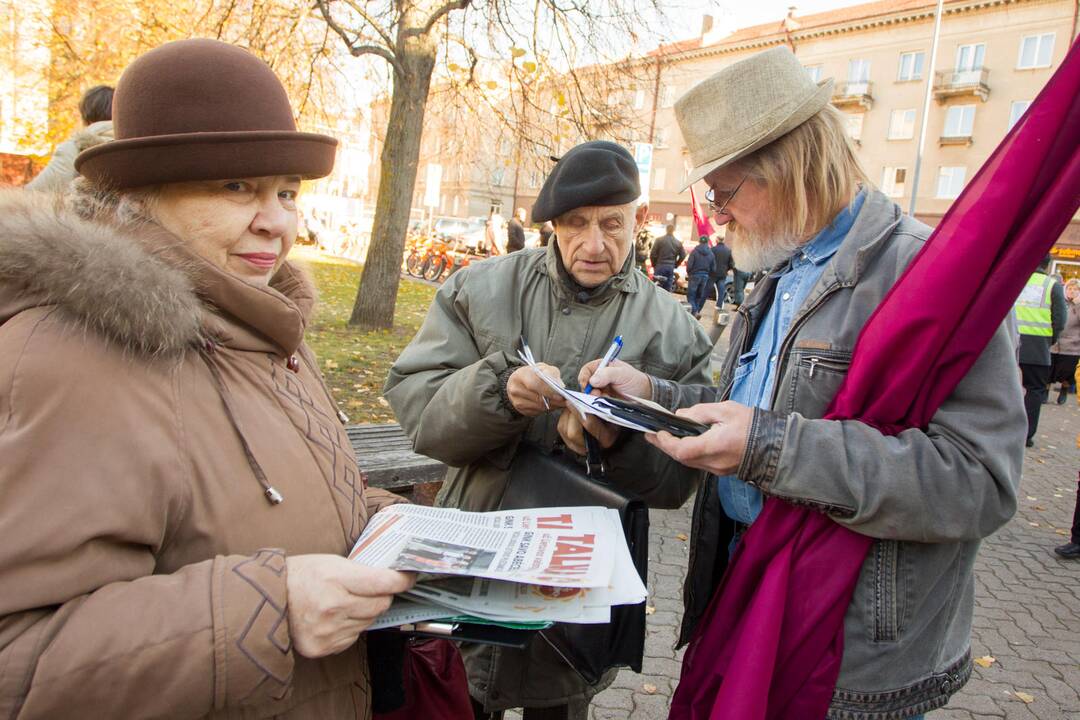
x=539, y=479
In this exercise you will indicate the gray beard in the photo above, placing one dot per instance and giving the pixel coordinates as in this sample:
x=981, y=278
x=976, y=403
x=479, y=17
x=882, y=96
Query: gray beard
x=752, y=252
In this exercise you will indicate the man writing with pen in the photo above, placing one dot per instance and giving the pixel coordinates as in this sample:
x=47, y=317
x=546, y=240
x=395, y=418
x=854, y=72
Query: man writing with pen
x=464, y=396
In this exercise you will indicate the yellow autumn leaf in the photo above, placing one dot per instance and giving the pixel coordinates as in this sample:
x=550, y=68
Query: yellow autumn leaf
x=1028, y=699
x=517, y=52
x=560, y=99
x=382, y=401
x=682, y=536
x=985, y=661
x=649, y=688
x=650, y=609
x=528, y=66
x=491, y=84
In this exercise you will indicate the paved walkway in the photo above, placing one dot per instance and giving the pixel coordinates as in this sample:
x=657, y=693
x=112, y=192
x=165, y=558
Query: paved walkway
x=1027, y=616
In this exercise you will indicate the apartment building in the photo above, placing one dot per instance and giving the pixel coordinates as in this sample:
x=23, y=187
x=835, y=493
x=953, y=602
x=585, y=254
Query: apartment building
x=993, y=58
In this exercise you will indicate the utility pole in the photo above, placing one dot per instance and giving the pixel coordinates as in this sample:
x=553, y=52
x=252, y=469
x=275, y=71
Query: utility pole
x=926, y=106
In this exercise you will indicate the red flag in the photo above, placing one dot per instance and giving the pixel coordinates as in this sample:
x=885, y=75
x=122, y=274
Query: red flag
x=702, y=223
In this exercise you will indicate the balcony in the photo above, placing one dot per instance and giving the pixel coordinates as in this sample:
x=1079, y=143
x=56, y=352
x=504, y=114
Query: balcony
x=965, y=140
x=956, y=83
x=847, y=94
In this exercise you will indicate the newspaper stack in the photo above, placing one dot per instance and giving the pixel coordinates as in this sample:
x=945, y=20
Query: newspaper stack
x=515, y=567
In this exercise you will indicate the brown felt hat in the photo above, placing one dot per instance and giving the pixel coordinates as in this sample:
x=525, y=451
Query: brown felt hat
x=202, y=110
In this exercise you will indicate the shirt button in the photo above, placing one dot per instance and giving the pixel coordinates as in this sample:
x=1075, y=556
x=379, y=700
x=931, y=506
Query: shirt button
x=566, y=311
x=772, y=359
x=786, y=296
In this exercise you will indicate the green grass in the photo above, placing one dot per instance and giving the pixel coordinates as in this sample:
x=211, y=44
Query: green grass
x=356, y=363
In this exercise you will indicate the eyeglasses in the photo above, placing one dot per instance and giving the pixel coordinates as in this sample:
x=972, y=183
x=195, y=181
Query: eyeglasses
x=710, y=197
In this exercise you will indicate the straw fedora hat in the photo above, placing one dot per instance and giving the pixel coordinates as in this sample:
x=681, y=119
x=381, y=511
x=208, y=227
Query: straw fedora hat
x=202, y=110
x=745, y=107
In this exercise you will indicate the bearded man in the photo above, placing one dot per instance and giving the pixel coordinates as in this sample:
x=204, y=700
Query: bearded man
x=465, y=398
x=782, y=175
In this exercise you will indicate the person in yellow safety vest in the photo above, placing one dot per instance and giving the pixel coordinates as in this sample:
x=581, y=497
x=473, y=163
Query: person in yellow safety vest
x=1040, y=317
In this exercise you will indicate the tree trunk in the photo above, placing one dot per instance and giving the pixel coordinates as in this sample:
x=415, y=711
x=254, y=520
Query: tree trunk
x=377, y=295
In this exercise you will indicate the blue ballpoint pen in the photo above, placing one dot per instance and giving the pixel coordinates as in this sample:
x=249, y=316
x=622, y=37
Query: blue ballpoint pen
x=611, y=354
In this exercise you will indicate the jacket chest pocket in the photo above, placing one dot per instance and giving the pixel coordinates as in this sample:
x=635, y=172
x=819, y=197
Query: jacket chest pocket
x=814, y=378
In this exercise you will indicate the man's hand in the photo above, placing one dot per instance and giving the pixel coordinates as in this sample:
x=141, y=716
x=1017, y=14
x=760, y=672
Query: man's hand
x=332, y=600
x=721, y=449
x=617, y=378
x=572, y=431
x=527, y=392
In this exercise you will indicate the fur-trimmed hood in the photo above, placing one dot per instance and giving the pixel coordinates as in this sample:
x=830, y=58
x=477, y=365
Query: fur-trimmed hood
x=135, y=283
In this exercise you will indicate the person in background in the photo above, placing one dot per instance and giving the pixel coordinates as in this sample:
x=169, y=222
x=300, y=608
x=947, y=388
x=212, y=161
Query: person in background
x=722, y=264
x=1040, y=317
x=495, y=234
x=738, y=285
x=667, y=253
x=464, y=397
x=1065, y=353
x=515, y=232
x=546, y=231
x=95, y=108
x=699, y=268
x=179, y=492
x=1071, y=549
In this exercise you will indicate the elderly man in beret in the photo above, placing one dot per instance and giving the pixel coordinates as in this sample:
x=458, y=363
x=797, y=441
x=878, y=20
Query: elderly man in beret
x=782, y=175
x=463, y=396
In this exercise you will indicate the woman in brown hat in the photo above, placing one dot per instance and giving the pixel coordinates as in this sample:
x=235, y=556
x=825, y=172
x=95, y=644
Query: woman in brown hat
x=178, y=490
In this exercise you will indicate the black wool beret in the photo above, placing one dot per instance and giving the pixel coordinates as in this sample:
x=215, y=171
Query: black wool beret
x=597, y=172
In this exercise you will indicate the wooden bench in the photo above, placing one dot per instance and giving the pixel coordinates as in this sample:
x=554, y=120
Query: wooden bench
x=385, y=455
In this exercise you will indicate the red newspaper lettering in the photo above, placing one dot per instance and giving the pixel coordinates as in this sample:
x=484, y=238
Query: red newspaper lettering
x=556, y=522
x=572, y=555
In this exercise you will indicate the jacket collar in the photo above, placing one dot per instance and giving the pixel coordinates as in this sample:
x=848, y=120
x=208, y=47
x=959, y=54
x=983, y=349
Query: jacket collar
x=566, y=288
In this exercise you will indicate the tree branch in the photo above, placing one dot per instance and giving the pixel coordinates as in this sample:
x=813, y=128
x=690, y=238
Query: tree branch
x=441, y=12
x=358, y=50
x=356, y=8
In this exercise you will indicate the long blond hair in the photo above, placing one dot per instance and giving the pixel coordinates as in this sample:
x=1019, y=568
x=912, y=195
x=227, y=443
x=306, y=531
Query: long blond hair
x=810, y=174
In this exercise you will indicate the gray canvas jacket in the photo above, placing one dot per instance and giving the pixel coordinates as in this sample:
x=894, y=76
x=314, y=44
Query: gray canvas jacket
x=445, y=391
x=928, y=495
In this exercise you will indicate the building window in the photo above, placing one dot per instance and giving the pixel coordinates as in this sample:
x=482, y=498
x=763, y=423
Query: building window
x=902, y=125
x=659, y=178
x=1035, y=51
x=858, y=75
x=814, y=71
x=536, y=178
x=667, y=96
x=911, y=66
x=660, y=137
x=970, y=57
x=950, y=182
x=1017, y=110
x=854, y=126
x=497, y=175
x=893, y=181
x=639, y=99
x=959, y=121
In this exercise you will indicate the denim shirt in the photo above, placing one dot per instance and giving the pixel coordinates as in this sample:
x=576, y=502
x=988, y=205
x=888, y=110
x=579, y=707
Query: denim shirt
x=752, y=383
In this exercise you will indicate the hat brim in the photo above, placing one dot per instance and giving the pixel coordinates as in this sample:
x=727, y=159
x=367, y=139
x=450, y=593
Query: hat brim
x=803, y=112
x=161, y=159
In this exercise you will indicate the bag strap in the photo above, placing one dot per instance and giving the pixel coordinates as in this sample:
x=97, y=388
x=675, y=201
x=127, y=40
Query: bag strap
x=594, y=459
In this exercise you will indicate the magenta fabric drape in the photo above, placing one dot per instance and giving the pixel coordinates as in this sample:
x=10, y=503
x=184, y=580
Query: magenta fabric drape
x=770, y=644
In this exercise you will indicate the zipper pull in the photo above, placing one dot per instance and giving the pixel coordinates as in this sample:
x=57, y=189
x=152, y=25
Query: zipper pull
x=813, y=366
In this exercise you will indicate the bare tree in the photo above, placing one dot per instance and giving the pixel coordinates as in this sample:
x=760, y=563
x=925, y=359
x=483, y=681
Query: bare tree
x=580, y=52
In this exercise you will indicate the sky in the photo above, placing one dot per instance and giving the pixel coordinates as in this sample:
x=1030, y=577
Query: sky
x=735, y=14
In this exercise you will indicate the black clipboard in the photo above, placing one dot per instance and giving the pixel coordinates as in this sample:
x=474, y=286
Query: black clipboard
x=652, y=416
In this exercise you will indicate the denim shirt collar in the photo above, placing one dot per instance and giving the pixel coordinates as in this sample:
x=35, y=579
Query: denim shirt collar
x=825, y=244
